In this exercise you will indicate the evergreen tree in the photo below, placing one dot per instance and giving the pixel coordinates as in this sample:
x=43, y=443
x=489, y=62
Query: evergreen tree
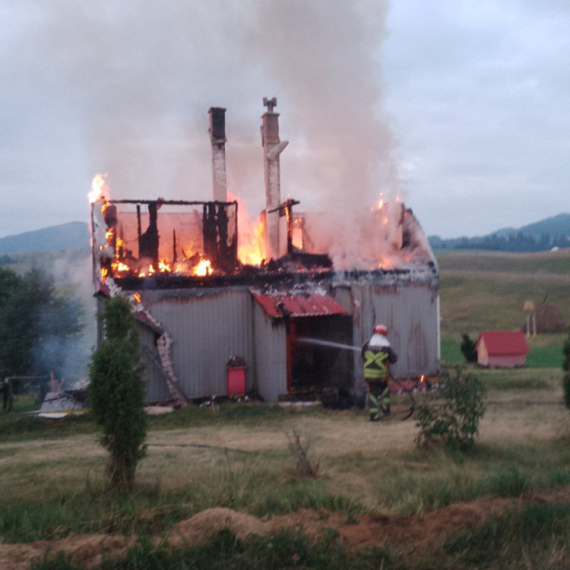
x=468, y=348
x=34, y=315
x=116, y=393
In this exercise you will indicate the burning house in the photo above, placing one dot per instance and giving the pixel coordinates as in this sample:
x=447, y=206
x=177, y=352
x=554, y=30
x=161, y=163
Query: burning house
x=278, y=302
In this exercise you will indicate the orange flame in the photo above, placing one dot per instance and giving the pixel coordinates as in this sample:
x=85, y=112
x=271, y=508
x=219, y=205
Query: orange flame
x=251, y=236
x=121, y=267
x=203, y=268
x=97, y=185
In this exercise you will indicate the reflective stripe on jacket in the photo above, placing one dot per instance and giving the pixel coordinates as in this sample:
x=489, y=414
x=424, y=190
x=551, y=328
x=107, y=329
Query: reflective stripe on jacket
x=377, y=358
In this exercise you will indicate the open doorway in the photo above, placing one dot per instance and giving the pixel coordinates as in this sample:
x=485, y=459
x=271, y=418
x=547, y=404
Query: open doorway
x=312, y=368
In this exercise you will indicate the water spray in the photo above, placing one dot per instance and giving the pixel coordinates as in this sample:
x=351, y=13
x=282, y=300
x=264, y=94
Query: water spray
x=328, y=343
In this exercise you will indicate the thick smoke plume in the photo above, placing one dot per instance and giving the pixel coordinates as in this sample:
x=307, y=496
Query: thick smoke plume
x=140, y=77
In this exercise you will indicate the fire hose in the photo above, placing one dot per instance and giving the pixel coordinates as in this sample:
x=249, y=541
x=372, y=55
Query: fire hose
x=391, y=380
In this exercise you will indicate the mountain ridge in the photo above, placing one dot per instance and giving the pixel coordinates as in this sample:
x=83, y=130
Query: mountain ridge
x=545, y=234
x=72, y=235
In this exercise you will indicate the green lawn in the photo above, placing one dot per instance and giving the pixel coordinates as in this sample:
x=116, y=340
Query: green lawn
x=545, y=350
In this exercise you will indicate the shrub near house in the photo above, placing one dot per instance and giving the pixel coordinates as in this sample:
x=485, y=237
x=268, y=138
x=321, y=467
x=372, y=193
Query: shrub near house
x=504, y=349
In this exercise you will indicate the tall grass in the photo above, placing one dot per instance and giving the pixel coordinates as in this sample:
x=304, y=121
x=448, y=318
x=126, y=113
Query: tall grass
x=225, y=550
x=230, y=481
x=536, y=536
x=451, y=477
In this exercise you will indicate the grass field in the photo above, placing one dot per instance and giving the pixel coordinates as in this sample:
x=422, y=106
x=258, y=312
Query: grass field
x=236, y=456
x=486, y=291
x=541, y=263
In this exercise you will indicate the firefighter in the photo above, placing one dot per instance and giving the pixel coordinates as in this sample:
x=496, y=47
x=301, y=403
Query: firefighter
x=377, y=355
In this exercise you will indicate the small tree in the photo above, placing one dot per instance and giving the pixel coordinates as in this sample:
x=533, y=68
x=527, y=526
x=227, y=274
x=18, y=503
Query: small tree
x=451, y=416
x=116, y=393
x=468, y=348
x=566, y=369
x=36, y=322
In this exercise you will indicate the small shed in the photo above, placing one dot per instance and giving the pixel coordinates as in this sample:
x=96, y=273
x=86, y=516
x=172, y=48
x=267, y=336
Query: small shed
x=501, y=349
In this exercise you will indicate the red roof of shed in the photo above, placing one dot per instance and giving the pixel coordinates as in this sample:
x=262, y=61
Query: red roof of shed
x=504, y=343
x=298, y=305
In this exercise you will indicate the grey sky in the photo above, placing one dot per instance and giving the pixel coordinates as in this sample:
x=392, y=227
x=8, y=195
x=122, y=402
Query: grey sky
x=461, y=106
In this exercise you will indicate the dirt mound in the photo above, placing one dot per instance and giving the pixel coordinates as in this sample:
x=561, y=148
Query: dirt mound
x=207, y=523
x=376, y=530
x=356, y=532
x=84, y=549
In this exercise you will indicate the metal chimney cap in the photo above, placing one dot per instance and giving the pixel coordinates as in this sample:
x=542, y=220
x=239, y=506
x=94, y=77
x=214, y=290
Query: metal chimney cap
x=270, y=103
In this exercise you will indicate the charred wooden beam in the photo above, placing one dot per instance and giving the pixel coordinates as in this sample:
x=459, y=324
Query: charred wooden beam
x=220, y=244
x=149, y=241
x=139, y=229
x=286, y=209
x=169, y=202
x=209, y=233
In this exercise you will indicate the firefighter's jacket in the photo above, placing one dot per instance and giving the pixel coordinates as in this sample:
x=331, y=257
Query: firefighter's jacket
x=377, y=355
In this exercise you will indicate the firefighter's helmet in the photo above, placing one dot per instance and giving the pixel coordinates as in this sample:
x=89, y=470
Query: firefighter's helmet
x=380, y=329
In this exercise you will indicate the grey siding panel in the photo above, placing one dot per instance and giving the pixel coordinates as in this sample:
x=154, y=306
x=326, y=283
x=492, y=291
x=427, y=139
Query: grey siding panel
x=209, y=327
x=206, y=330
x=410, y=312
x=412, y=316
x=271, y=355
x=156, y=389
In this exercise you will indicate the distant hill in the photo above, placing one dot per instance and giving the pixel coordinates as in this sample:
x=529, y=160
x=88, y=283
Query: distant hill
x=540, y=236
x=74, y=235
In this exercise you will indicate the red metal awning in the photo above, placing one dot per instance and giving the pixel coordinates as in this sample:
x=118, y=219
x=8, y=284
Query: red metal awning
x=278, y=305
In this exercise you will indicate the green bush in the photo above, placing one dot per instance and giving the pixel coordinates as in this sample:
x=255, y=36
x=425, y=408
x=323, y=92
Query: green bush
x=468, y=348
x=116, y=393
x=451, y=416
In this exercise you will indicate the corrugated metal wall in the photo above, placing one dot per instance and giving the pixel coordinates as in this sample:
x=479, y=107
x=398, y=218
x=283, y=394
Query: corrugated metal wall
x=270, y=353
x=207, y=326
x=156, y=389
x=411, y=313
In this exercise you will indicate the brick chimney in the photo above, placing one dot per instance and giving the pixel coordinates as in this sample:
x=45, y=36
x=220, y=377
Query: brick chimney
x=218, y=139
x=272, y=148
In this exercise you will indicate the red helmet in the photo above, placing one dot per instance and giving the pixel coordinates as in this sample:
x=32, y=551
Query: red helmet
x=380, y=329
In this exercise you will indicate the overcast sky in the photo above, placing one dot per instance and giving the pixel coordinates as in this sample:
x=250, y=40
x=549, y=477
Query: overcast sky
x=461, y=107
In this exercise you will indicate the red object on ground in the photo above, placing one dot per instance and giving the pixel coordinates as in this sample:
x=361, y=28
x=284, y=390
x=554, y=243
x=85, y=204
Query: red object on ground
x=236, y=381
